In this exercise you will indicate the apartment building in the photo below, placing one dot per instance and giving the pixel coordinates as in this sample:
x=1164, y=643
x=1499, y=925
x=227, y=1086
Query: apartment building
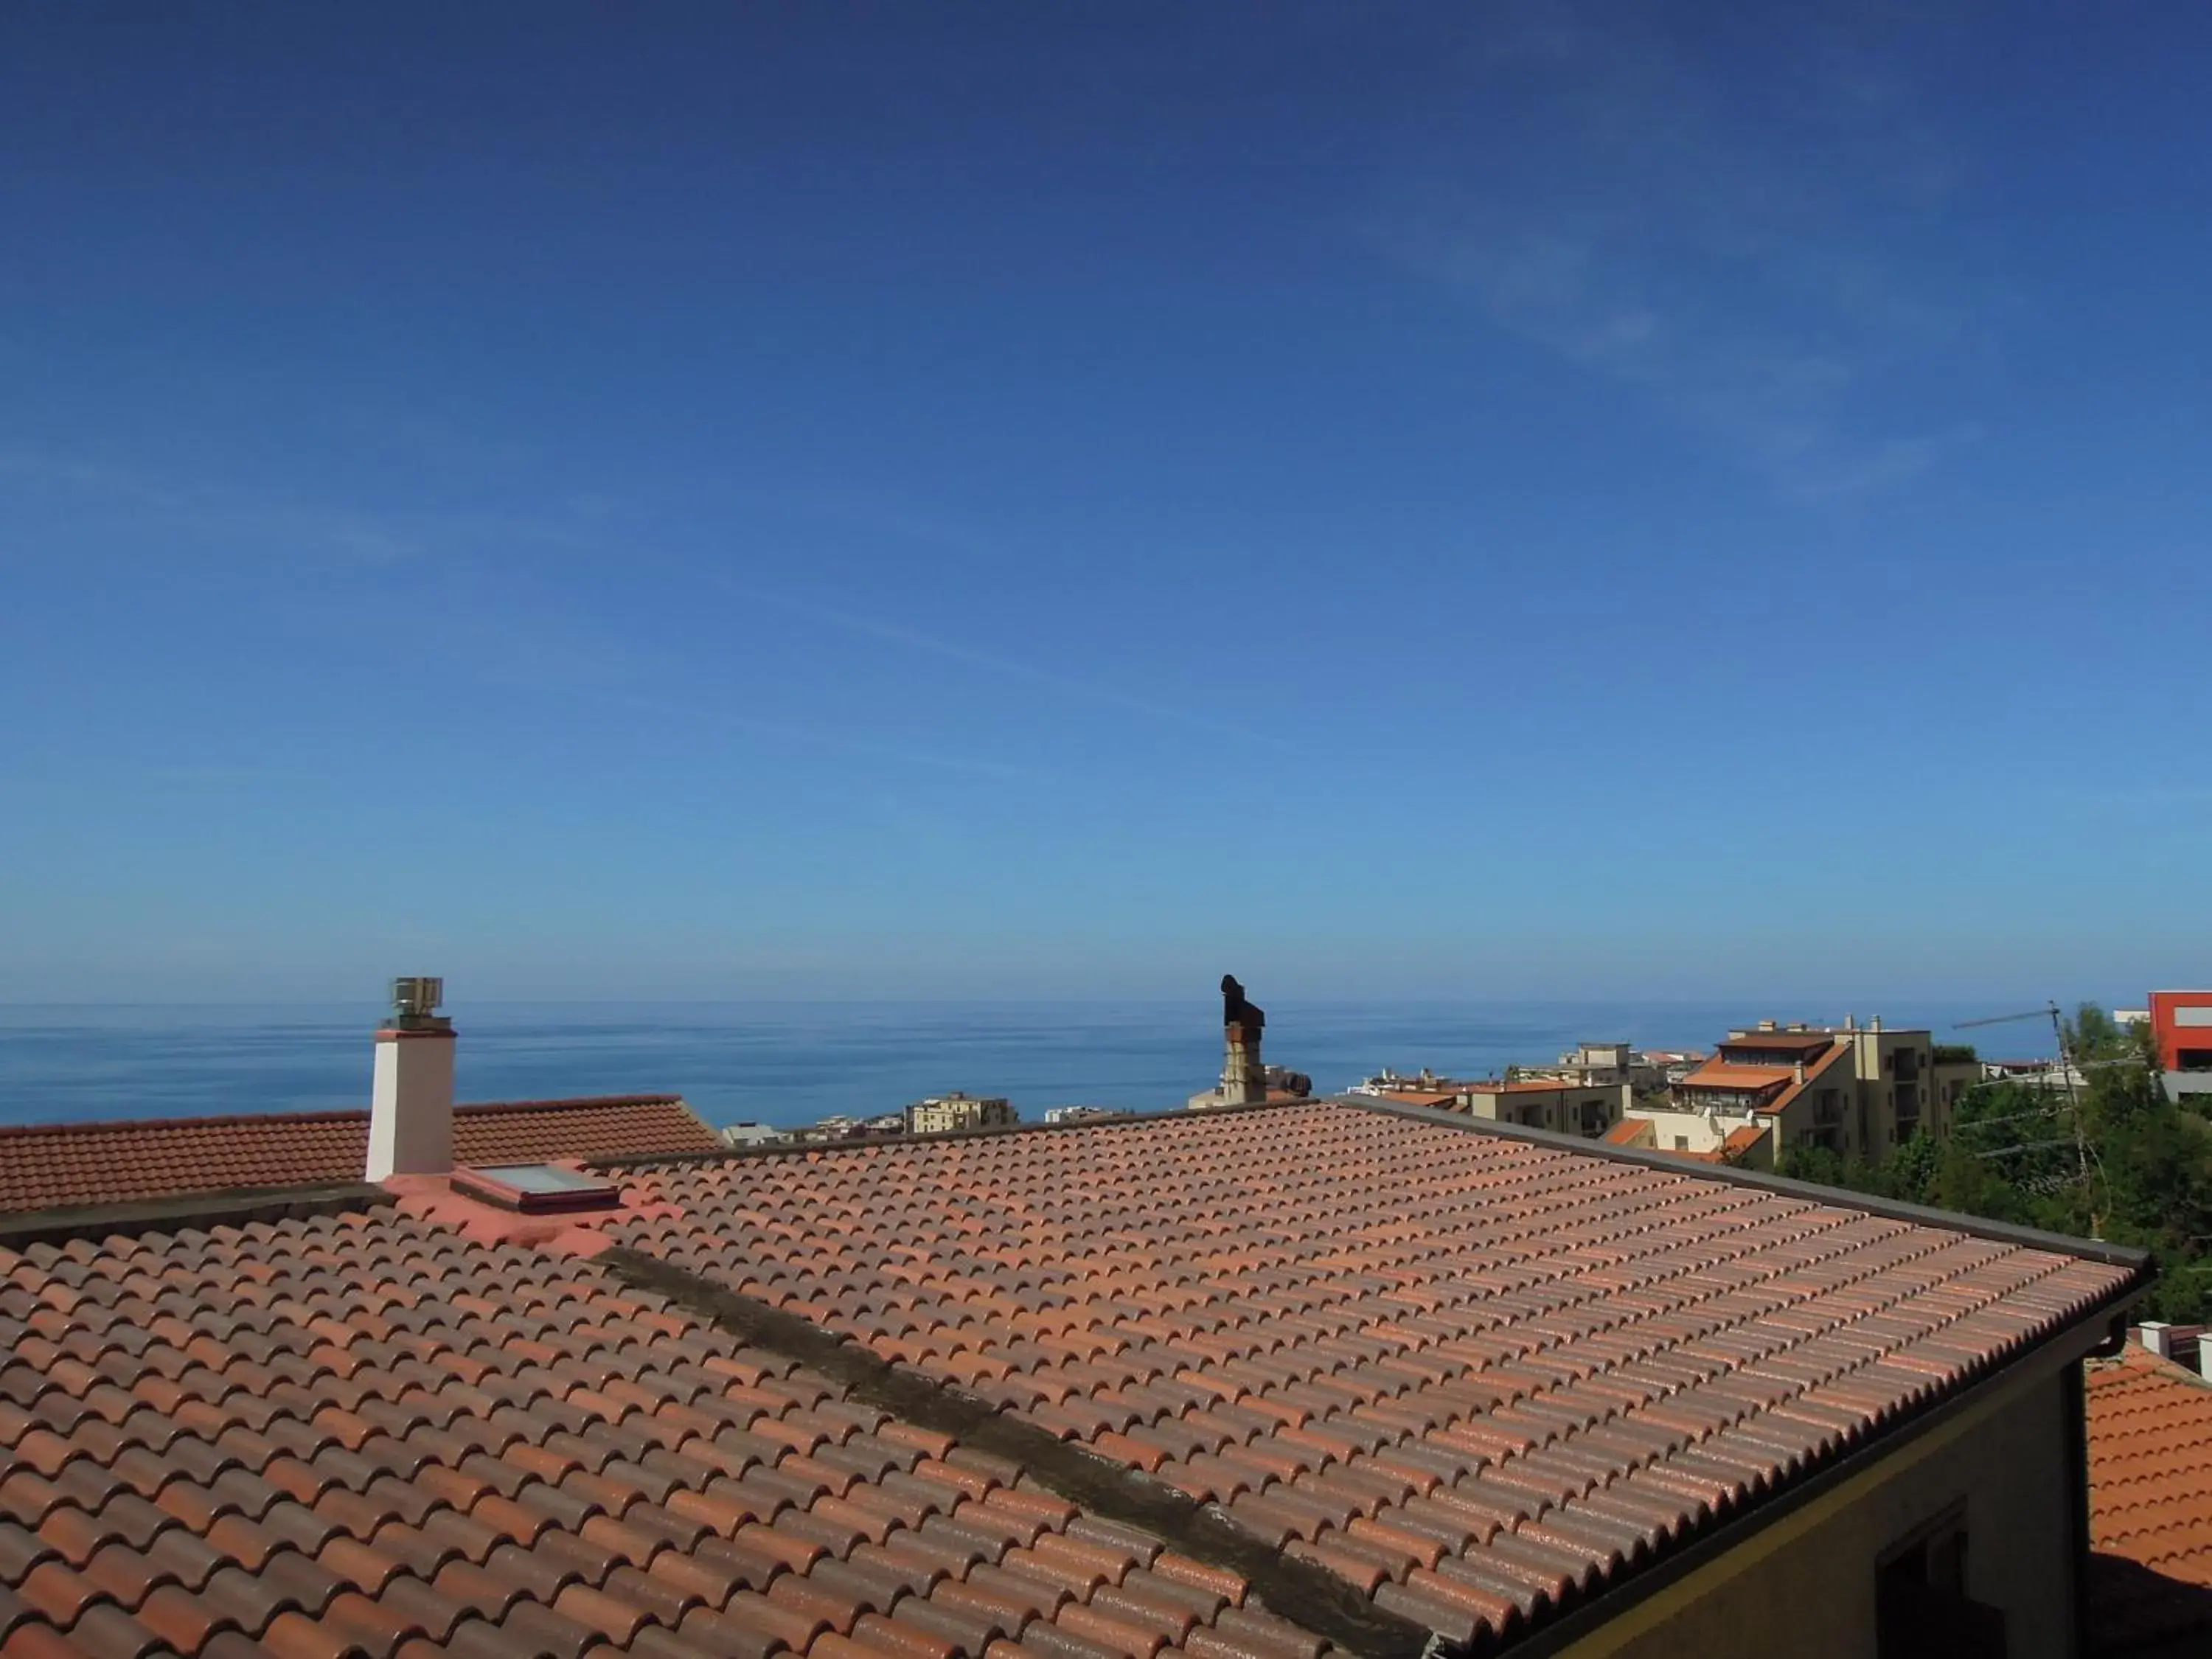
x=944, y=1114
x=1855, y=1090
x=1563, y=1106
x=1598, y=1063
x=1588, y=1109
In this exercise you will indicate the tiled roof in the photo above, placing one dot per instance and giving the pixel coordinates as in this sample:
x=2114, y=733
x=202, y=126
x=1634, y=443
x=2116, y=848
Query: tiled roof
x=2150, y=1500
x=48, y=1165
x=1527, y=1086
x=1773, y=1041
x=1473, y=1375
x=1814, y=1072
x=1721, y=1074
x=362, y=1437
x=1478, y=1375
x=1631, y=1132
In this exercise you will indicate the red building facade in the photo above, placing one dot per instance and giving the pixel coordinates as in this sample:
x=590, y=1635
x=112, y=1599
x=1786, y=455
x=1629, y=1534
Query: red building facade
x=2181, y=1025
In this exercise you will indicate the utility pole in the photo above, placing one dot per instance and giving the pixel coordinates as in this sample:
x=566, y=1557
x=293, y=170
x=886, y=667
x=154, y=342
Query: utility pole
x=2068, y=1072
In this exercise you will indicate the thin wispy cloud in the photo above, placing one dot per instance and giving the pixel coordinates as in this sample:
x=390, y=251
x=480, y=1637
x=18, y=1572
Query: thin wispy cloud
x=262, y=523
x=518, y=633
x=1895, y=461
x=810, y=740
x=1652, y=232
x=993, y=663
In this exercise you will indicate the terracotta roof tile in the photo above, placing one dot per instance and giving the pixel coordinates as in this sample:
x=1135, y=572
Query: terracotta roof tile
x=2150, y=1500
x=1479, y=1376
x=1327, y=1281
x=55, y=1165
x=1727, y=1074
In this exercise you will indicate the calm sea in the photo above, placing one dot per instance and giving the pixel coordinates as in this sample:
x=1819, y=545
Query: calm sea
x=782, y=1063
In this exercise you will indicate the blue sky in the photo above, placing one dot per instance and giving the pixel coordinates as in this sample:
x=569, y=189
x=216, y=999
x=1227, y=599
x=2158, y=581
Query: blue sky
x=1009, y=500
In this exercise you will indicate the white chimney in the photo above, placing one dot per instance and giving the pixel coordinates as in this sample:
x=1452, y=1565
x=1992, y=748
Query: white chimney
x=1800, y=1073
x=2153, y=1331
x=410, y=1114
x=2204, y=1355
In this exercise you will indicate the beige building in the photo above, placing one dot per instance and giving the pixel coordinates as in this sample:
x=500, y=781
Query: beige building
x=1855, y=1090
x=942, y=1114
x=1595, y=1063
x=1588, y=1109
x=1746, y=1143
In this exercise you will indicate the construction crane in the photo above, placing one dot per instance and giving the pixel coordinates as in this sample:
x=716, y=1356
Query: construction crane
x=2069, y=1069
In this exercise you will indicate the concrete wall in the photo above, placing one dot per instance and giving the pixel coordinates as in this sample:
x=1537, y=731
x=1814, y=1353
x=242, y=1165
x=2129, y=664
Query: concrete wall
x=1693, y=1127
x=1799, y=1124
x=1876, y=1055
x=1571, y=1109
x=1805, y=1586
x=1951, y=1079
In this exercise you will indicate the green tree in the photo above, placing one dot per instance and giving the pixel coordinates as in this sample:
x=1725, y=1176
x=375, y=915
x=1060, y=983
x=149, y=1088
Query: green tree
x=1909, y=1172
x=1965, y=1181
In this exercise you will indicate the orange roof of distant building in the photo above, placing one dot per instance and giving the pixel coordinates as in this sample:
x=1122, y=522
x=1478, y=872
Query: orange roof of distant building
x=1420, y=1096
x=1813, y=1074
x=1806, y=1039
x=1542, y=1086
x=1720, y=1074
x=1631, y=1132
x=1743, y=1139
x=51, y=1165
x=2150, y=1501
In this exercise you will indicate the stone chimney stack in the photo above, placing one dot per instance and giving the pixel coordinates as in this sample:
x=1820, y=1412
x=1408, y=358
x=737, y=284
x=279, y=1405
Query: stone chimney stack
x=410, y=1114
x=1243, y=1074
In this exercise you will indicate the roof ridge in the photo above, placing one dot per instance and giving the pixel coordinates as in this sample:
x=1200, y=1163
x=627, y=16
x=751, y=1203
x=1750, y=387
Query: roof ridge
x=324, y=1115
x=1840, y=1198
x=233, y=1207
x=981, y=1132
x=213, y=1120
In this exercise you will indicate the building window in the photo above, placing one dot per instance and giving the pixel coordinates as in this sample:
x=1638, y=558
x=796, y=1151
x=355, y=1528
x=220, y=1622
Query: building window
x=1921, y=1609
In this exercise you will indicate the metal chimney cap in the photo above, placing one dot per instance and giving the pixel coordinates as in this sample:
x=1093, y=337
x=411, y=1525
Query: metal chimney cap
x=415, y=1001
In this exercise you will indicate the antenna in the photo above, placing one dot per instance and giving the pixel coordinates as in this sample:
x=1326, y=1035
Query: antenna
x=2068, y=1070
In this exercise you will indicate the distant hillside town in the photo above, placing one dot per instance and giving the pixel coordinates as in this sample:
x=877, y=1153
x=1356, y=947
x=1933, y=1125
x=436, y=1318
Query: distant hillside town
x=1854, y=1090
